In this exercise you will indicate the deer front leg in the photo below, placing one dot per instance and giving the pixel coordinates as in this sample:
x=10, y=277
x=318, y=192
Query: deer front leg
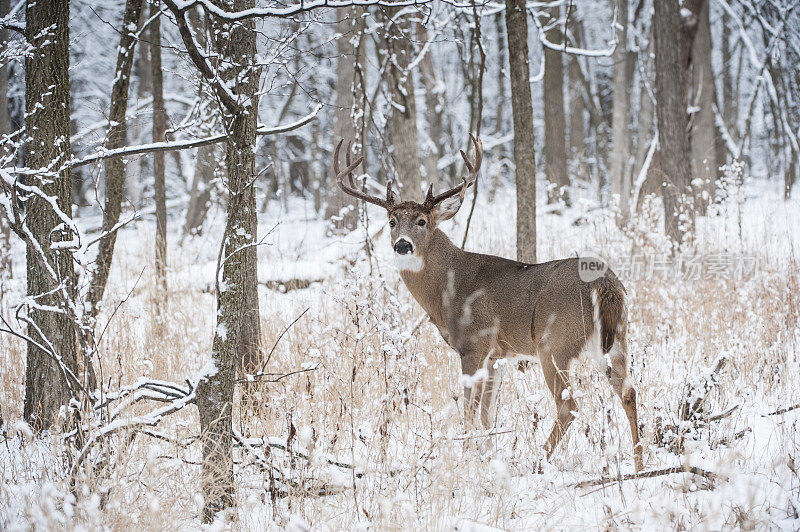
x=471, y=362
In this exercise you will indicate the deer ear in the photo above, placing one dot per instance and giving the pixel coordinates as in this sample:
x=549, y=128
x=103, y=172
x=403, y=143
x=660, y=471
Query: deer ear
x=448, y=208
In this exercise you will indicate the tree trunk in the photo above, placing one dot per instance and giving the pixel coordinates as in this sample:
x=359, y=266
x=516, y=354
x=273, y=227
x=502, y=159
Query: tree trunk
x=703, y=134
x=341, y=208
x=47, y=125
x=644, y=128
x=237, y=336
x=206, y=162
x=577, y=121
x=728, y=105
x=159, y=129
x=671, y=112
x=114, y=168
x=205, y=168
x=405, y=140
x=620, y=124
x=555, y=151
x=522, y=111
x=434, y=106
x=6, y=271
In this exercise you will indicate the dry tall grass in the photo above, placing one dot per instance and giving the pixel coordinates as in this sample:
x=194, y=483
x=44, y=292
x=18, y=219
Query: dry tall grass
x=381, y=398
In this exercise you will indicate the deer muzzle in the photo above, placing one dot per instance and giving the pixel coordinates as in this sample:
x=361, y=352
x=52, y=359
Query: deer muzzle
x=403, y=246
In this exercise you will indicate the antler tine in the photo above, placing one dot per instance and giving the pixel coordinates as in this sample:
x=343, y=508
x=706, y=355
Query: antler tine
x=352, y=190
x=473, y=167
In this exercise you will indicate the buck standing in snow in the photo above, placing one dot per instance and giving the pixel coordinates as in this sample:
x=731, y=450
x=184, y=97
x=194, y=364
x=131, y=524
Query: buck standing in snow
x=488, y=307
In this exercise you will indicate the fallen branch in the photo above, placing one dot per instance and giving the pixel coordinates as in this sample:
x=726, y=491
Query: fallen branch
x=783, y=410
x=650, y=474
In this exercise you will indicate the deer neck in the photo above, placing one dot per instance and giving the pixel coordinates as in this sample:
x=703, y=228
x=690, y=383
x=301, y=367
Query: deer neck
x=429, y=283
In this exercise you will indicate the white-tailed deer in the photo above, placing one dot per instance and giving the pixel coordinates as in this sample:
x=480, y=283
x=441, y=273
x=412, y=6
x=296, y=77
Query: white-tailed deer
x=488, y=307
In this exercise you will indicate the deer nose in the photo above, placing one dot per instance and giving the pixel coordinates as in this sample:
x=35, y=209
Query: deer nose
x=403, y=246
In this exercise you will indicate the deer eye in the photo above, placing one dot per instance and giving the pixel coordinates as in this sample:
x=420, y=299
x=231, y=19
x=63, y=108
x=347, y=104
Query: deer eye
x=392, y=223
x=421, y=222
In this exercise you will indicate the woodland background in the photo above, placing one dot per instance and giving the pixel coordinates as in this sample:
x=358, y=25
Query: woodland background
x=198, y=326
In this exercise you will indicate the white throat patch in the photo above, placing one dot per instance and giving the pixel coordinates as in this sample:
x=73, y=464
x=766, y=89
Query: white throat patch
x=408, y=262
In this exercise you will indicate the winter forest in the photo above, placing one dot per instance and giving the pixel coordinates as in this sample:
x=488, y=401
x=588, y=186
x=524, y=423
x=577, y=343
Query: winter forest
x=399, y=264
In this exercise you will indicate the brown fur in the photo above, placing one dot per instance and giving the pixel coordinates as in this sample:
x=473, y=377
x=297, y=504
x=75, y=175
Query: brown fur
x=488, y=307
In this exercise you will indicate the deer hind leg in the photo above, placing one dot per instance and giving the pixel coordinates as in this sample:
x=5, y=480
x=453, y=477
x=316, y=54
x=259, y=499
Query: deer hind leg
x=557, y=378
x=489, y=397
x=617, y=372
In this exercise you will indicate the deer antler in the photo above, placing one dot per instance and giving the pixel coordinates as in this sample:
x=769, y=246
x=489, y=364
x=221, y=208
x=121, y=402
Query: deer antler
x=473, y=167
x=352, y=188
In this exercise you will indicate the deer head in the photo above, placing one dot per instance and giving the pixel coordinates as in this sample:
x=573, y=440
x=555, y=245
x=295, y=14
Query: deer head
x=412, y=223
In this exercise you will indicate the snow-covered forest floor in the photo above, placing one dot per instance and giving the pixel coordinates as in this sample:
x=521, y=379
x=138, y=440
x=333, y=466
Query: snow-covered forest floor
x=371, y=403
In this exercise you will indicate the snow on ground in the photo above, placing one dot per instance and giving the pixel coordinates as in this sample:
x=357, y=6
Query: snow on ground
x=380, y=394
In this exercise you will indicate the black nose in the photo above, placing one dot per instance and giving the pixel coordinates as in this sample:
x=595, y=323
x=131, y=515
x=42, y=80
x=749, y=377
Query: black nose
x=403, y=246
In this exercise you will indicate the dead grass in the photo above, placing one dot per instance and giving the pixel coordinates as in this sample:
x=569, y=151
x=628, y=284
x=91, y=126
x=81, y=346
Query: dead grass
x=384, y=399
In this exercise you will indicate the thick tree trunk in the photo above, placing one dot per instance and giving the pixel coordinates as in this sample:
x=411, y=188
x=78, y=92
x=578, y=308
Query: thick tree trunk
x=159, y=129
x=114, y=168
x=405, y=138
x=237, y=335
x=434, y=107
x=555, y=151
x=6, y=271
x=341, y=208
x=522, y=111
x=672, y=120
x=703, y=132
x=619, y=174
x=47, y=125
x=577, y=120
x=644, y=128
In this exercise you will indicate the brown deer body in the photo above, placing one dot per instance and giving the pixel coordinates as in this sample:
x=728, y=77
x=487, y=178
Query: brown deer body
x=487, y=307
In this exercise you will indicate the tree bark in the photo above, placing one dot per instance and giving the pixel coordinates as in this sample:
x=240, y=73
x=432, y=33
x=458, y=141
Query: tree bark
x=341, y=208
x=703, y=134
x=672, y=120
x=405, y=139
x=206, y=162
x=434, y=107
x=620, y=123
x=115, y=168
x=6, y=271
x=555, y=151
x=159, y=130
x=47, y=125
x=522, y=111
x=728, y=104
x=236, y=344
x=577, y=121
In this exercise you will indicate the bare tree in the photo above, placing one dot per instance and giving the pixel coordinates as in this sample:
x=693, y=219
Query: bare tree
x=5, y=129
x=114, y=168
x=237, y=335
x=206, y=164
x=50, y=268
x=349, y=82
x=159, y=130
x=577, y=120
x=555, y=151
x=522, y=110
x=703, y=132
x=434, y=107
x=672, y=120
x=399, y=48
x=620, y=125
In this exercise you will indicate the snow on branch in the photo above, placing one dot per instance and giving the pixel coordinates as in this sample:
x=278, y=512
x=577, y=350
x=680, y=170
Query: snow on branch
x=103, y=153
